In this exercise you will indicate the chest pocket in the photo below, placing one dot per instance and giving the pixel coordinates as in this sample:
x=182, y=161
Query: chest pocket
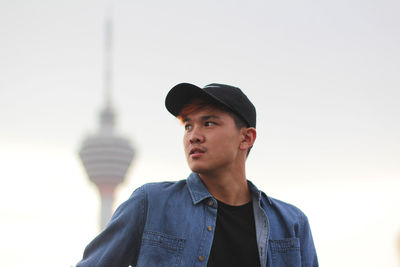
x=159, y=249
x=285, y=252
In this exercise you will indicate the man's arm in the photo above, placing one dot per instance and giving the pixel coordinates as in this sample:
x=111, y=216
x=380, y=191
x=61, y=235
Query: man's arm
x=119, y=243
x=307, y=249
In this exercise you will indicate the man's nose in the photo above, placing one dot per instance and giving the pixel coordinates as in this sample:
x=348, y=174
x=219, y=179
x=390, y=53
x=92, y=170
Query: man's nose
x=196, y=136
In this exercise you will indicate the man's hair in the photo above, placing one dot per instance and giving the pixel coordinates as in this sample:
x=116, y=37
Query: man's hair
x=201, y=102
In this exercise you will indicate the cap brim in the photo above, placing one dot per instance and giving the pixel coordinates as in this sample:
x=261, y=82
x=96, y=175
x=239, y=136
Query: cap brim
x=180, y=95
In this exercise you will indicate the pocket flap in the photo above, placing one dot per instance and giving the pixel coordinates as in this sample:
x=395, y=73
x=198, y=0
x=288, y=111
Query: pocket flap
x=163, y=240
x=285, y=245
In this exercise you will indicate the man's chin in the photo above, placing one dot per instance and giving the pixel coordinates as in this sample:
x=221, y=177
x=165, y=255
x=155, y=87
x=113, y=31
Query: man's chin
x=198, y=169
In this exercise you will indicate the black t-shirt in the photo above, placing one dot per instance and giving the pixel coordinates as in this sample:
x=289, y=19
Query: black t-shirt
x=234, y=243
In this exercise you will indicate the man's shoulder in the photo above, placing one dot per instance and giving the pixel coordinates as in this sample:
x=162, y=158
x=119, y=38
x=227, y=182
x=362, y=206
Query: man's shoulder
x=155, y=192
x=160, y=189
x=285, y=206
x=164, y=186
x=274, y=206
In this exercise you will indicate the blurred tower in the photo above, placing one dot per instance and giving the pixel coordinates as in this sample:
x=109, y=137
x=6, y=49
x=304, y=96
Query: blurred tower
x=398, y=249
x=105, y=155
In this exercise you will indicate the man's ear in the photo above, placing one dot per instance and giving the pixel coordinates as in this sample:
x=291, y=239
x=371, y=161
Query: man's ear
x=249, y=137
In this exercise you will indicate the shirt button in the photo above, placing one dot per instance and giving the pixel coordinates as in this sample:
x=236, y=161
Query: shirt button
x=209, y=228
x=201, y=258
x=210, y=203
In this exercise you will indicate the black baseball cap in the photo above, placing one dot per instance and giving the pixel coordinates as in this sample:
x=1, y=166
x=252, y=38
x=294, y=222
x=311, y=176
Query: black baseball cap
x=229, y=96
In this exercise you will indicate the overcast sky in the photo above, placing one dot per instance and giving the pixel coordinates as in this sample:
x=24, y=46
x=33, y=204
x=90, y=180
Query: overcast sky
x=323, y=75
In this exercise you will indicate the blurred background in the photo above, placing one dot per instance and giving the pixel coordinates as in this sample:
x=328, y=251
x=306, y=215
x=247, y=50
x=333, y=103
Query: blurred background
x=324, y=76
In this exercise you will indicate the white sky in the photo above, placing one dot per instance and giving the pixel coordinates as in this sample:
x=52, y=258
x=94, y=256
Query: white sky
x=324, y=76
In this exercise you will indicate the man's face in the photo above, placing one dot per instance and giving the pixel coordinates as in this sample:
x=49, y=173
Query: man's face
x=211, y=140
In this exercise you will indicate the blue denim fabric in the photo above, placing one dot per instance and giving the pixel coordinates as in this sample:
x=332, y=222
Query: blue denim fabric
x=167, y=224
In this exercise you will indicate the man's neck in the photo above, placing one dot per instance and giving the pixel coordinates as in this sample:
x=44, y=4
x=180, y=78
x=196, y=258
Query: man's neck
x=230, y=188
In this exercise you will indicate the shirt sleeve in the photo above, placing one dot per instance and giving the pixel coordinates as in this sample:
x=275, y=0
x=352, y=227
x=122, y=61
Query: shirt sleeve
x=119, y=243
x=307, y=249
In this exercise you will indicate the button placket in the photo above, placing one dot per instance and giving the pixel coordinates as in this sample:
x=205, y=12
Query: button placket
x=207, y=234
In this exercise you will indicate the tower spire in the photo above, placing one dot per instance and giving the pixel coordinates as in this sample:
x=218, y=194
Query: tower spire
x=108, y=62
x=107, y=115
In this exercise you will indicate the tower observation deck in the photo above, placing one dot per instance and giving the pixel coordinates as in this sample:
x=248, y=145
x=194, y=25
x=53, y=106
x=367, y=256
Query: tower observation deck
x=106, y=158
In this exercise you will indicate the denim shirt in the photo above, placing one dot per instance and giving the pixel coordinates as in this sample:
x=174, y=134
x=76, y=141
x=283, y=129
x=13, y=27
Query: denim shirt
x=173, y=223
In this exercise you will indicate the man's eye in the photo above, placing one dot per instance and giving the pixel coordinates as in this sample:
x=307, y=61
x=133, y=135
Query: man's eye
x=209, y=123
x=187, y=127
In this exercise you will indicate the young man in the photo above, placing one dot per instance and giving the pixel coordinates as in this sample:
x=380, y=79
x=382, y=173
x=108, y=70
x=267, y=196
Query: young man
x=215, y=217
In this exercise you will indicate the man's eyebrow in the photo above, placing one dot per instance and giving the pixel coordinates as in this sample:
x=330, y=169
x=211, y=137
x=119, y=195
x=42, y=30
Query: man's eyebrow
x=207, y=117
x=203, y=118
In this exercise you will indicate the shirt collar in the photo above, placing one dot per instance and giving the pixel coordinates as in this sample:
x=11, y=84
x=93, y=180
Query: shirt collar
x=257, y=193
x=199, y=192
x=197, y=189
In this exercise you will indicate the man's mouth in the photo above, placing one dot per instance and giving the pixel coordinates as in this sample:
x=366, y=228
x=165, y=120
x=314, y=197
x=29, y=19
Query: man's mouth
x=195, y=152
